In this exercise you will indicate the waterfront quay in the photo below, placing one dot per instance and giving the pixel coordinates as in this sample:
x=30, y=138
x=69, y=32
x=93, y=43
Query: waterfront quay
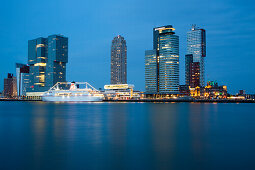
x=184, y=100
x=177, y=100
x=9, y=100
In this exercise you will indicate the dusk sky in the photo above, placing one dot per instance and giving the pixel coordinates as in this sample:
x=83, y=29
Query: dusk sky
x=91, y=26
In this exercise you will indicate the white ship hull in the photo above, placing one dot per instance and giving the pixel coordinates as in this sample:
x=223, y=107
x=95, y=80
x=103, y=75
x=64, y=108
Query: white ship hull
x=72, y=98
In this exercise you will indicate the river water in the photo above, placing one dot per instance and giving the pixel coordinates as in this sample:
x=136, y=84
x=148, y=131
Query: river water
x=39, y=135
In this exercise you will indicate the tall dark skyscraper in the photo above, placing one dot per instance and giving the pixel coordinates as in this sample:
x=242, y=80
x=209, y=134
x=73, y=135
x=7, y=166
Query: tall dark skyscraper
x=119, y=61
x=47, y=58
x=192, y=71
x=162, y=63
x=196, y=45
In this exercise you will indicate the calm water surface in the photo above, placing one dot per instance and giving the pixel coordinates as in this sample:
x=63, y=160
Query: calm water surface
x=36, y=135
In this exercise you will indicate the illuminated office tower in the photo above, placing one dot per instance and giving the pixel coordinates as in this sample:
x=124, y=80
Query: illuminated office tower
x=166, y=73
x=47, y=58
x=196, y=45
x=119, y=61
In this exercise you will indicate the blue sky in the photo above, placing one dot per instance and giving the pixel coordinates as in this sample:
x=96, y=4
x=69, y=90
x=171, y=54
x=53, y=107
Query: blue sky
x=91, y=25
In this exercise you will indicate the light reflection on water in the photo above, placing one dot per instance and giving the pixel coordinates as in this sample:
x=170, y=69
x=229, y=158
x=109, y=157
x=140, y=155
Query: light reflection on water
x=126, y=135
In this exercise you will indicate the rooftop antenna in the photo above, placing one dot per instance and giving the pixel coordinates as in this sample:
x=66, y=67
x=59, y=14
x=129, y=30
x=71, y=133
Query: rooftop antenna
x=193, y=27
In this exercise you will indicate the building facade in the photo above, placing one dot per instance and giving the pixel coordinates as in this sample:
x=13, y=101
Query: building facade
x=192, y=71
x=166, y=63
x=184, y=90
x=196, y=45
x=211, y=91
x=47, y=58
x=10, y=86
x=119, y=60
x=22, y=74
x=214, y=91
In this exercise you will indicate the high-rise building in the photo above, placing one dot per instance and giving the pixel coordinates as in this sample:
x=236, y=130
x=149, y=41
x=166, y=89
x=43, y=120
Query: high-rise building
x=188, y=61
x=196, y=45
x=10, y=86
x=47, y=58
x=162, y=63
x=22, y=74
x=151, y=78
x=119, y=61
x=192, y=71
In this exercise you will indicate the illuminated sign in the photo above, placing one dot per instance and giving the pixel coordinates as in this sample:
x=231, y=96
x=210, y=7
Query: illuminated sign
x=40, y=45
x=40, y=64
x=164, y=28
x=119, y=86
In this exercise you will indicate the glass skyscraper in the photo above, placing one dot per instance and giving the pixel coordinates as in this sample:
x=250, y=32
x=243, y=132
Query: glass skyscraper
x=151, y=78
x=47, y=58
x=165, y=67
x=196, y=45
x=119, y=61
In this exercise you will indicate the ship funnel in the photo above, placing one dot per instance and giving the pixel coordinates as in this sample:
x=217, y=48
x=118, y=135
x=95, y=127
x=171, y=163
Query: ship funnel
x=73, y=86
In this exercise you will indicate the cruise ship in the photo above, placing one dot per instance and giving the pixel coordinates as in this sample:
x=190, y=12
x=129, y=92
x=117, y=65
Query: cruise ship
x=72, y=92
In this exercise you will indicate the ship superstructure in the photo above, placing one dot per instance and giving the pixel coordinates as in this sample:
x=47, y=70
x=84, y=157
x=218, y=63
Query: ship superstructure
x=72, y=92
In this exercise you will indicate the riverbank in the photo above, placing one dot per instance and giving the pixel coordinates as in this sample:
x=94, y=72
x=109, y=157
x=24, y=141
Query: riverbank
x=164, y=100
x=19, y=100
x=185, y=100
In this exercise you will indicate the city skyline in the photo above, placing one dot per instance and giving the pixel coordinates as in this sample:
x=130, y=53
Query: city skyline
x=224, y=55
x=136, y=84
